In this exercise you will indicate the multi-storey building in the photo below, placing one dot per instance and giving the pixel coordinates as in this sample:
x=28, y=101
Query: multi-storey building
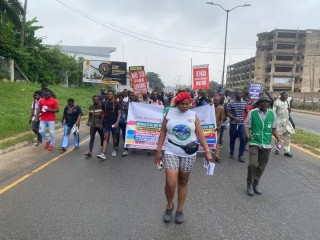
x=285, y=60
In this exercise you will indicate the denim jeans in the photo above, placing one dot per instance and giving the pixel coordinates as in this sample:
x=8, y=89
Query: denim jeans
x=237, y=130
x=43, y=127
x=66, y=135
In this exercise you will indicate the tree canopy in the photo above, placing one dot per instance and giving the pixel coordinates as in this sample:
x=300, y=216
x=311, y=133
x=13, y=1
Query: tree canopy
x=154, y=80
x=38, y=61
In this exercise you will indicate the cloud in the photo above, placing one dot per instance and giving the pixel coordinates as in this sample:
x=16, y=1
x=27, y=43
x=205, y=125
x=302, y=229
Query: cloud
x=185, y=21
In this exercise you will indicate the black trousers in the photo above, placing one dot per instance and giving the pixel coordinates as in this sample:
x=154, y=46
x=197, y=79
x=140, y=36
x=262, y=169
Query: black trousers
x=35, y=129
x=93, y=131
x=122, y=128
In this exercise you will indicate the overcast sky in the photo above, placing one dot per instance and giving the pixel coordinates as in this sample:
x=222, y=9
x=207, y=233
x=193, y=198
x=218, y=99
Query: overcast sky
x=189, y=22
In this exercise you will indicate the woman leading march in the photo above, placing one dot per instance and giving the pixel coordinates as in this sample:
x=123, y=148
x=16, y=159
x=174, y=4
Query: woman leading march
x=180, y=129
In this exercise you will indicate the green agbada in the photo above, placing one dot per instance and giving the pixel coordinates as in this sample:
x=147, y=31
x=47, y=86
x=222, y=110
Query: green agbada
x=261, y=132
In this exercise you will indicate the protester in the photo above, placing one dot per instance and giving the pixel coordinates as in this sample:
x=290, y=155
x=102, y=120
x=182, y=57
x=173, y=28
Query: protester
x=220, y=116
x=94, y=120
x=102, y=95
x=124, y=106
x=173, y=99
x=224, y=124
x=44, y=89
x=282, y=109
x=71, y=121
x=125, y=95
x=203, y=100
x=235, y=111
x=33, y=115
x=48, y=107
x=180, y=126
x=111, y=113
x=261, y=124
x=154, y=100
x=169, y=99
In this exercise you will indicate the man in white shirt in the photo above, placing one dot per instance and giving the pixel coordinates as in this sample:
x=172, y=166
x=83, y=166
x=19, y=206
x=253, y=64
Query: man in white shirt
x=35, y=122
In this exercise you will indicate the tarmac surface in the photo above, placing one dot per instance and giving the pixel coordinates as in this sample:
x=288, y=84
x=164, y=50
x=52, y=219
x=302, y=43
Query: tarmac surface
x=308, y=122
x=123, y=198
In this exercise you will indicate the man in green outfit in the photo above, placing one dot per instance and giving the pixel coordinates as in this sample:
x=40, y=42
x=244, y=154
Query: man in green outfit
x=261, y=124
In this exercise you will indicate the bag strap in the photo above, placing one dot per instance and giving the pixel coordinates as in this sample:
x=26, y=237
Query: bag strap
x=175, y=143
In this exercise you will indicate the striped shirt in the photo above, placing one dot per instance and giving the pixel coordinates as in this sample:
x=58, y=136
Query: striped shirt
x=236, y=109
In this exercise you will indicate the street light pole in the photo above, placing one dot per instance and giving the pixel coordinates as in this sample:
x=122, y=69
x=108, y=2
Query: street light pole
x=226, y=33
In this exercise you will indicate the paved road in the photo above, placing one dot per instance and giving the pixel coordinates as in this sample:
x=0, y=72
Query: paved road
x=122, y=198
x=307, y=122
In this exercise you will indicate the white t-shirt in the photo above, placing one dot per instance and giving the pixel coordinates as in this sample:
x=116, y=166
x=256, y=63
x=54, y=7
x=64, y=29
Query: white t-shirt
x=180, y=130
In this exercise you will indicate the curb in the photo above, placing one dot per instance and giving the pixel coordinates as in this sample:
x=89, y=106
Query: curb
x=25, y=143
x=306, y=112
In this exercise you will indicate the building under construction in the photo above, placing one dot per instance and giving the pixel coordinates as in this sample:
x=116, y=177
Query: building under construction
x=285, y=60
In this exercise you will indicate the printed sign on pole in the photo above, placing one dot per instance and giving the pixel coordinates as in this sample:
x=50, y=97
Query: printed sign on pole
x=255, y=89
x=201, y=77
x=138, y=79
x=96, y=71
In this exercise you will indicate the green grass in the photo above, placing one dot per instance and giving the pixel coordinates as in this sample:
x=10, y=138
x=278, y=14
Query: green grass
x=16, y=99
x=307, y=140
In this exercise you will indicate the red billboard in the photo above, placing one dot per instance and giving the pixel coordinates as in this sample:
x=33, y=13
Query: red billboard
x=201, y=77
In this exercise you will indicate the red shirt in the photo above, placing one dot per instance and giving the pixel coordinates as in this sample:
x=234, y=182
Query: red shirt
x=49, y=103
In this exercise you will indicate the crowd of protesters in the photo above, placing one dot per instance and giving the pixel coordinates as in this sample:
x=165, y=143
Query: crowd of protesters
x=253, y=123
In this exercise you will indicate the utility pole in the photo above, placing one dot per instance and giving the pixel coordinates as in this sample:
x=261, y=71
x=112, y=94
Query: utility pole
x=23, y=29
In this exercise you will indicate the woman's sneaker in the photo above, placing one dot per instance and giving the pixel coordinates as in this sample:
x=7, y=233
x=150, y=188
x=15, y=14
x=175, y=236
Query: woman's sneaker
x=179, y=217
x=167, y=216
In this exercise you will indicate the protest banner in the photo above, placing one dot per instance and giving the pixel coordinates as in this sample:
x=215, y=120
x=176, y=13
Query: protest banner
x=95, y=71
x=138, y=79
x=255, y=89
x=201, y=77
x=144, y=125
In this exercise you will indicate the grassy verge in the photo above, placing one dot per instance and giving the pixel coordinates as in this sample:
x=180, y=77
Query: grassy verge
x=307, y=140
x=16, y=99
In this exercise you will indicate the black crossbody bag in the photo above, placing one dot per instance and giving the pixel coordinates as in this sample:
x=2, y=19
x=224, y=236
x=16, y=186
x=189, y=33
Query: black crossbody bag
x=190, y=148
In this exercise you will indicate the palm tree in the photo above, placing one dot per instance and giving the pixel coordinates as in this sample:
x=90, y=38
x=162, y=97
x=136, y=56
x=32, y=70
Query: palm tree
x=11, y=10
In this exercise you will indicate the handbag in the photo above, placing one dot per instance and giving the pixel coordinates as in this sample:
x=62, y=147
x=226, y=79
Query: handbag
x=292, y=122
x=290, y=118
x=190, y=148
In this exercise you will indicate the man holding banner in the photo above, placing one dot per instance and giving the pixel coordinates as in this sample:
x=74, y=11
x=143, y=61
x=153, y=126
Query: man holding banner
x=181, y=127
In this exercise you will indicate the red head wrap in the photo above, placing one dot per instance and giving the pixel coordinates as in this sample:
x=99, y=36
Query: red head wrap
x=182, y=96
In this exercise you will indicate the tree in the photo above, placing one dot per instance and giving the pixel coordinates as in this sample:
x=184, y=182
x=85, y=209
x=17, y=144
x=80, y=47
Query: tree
x=154, y=80
x=11, y=10
x=214, y=86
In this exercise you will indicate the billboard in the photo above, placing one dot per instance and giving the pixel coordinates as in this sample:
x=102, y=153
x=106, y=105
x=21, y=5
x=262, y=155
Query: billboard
x=138, y=79
x=255, y=89
x=201, y=77
x=108, y=72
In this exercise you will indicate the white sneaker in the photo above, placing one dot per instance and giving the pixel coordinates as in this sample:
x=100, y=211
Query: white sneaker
x=101, y=156
x=125, y=153
x=114, y=153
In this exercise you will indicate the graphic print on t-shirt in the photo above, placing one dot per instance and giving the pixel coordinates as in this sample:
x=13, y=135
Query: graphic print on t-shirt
x=182, y=132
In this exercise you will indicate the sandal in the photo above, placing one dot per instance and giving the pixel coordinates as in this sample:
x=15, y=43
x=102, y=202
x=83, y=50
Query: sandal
x=88, y=154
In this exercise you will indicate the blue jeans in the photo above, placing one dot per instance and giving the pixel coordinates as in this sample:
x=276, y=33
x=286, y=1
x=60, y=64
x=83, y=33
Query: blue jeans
x=237, y=130
x=66, y=135
x=43, y=127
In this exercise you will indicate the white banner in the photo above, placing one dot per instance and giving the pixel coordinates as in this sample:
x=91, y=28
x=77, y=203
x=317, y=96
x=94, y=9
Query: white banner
x=144, y=124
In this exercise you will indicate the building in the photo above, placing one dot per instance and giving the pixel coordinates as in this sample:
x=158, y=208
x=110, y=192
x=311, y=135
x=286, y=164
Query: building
x=285, y=60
